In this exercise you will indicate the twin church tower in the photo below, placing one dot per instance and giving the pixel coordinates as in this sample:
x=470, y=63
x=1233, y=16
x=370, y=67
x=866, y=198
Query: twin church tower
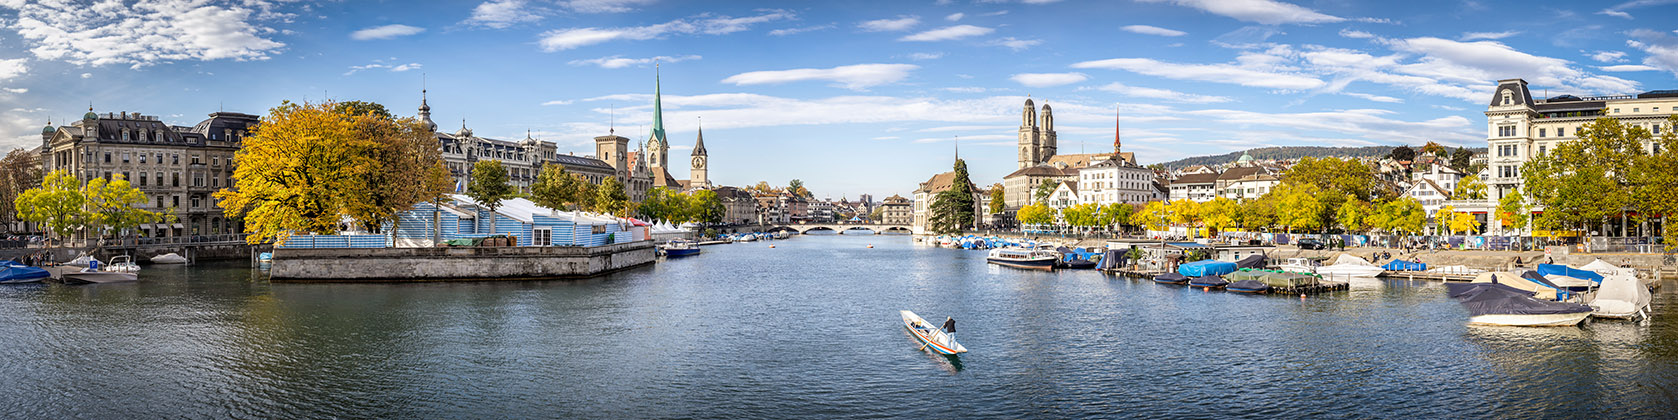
x=1037, y=139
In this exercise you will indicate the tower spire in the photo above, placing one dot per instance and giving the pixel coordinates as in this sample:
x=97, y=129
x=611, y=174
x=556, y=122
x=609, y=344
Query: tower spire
x=612, y=121
x=1116, y=144
x=658, y=107
x=699, y=145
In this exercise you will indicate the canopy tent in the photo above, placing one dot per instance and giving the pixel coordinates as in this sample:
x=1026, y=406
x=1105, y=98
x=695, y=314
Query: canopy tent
x=1539, y=287
x=1562, y=270
x=1206, y=268
x=1500, y=299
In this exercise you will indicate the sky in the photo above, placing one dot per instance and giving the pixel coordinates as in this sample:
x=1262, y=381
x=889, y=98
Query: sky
x=851, y=97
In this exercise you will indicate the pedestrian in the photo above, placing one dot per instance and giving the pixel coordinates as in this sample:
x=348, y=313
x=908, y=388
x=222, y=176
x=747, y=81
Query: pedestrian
x=950, y=328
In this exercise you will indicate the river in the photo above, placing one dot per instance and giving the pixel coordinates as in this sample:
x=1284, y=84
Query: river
x=807, y=329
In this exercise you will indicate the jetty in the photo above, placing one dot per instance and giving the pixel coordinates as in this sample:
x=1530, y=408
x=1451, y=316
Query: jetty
x=457, y=263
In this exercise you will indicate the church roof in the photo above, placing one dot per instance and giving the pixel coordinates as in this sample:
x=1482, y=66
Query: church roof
x=940, y=182
x=574, y=161
x=699, y=145
x=1043, y=170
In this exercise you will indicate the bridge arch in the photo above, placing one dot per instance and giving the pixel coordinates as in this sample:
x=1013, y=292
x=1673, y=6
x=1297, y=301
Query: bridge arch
x=807, y=231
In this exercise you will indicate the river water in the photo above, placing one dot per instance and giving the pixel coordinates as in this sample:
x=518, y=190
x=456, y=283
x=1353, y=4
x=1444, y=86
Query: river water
x=808, y=329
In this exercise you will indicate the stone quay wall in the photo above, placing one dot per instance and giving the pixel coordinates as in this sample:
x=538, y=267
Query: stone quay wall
x=456, y=263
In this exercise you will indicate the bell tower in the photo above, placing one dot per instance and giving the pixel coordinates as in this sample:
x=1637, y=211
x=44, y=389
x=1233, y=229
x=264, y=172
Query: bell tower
x=697, y=175
x=1029, y=143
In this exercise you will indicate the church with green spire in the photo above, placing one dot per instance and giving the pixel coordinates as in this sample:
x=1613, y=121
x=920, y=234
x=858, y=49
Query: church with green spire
x=656, y=154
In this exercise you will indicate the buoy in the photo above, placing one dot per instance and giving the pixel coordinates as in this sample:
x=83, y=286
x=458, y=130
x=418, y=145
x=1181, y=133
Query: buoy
x=771, y=246
x=870, y=245
x=1301, y=296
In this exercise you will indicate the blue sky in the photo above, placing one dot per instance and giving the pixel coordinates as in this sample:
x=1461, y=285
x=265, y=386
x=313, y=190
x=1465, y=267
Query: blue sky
x=852, y=97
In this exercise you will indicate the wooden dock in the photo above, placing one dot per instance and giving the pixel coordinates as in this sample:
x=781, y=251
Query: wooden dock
x=1419, y=275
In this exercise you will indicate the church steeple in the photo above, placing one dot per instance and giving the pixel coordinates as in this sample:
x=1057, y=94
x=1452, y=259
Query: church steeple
x=1116, y=149
x=425, y=112
x=658, y=109
x=699, y=145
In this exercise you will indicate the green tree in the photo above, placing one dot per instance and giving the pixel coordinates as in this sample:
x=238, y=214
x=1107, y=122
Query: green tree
x=663, y=204
x=489, y=187
x=610, y=198
x=1220, y=214
x=953, y=209
x=1044, y=189
x=1260, y=213
x=362, y=108
x=796, y=188
x=56, y=206
x=997, y=202
x=293, y=172
x=114, y=206
x=556, y=188
x=1403, y=153
x=1655, y=182
x=1461, y=158
x=1347, y=177
x=1036, y=214
x=1587, y=180
x=1117, y=214
x=1511, y=212
x=396, y=165
x=20, y=170
x=1086, y=215
x=1469, y=188
x=1298, y=207
x=1404, y=215
x=1436, y=150
x=1354, y=215
x=706, y=207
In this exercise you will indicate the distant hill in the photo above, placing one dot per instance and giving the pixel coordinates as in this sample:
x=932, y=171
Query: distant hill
x=1291, y=153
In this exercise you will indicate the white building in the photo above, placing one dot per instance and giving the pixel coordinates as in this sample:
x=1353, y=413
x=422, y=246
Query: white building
x=1115, y=181
x=1519, y=128
x=1197, y=187
x=1250, y=187
x=1065, y=195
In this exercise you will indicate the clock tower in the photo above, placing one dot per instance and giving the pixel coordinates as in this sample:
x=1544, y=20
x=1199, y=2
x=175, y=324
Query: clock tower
x=697, y=177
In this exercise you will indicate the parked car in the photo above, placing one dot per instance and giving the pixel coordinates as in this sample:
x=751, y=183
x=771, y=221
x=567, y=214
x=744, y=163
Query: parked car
x=1309, y=243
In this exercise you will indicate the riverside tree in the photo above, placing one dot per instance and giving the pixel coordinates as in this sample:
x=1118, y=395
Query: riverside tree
x=1655, y=181
x=489, y=187
x=555, y=188
x=952, y=209
x=114, y=206
x=1512, y=212
x=1469, y=188
x=1036, y=214
x=398, y=166
x=293, y=172
x=610, y=198
x=1586, y=180
x=997, y=200
x=58, y=205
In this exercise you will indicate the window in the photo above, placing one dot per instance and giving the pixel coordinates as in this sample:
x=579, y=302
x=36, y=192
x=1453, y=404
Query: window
x=176, y=158
x=541, y=236
x=176, y=200
x=107, y=157
x=195, y=160
x=124, y=135
x=160, y=201
x=1634, y=110
x=1656, y=128
x=215, y=182
x=1541, y=150
x=1616, y=110
x=142, y=158
x=1540, y=132
x=125, y=175
x=142, y=179
x=1561, y=131
x=215, y=161
x=159, y=179
x=176, y=179
x=195, y=201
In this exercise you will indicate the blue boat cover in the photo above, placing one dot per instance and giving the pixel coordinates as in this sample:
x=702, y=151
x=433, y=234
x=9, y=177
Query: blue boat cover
x=1500, y=299
x=1561, y=292
x=1402, y=265
x=1114, y=259
x=1558, y=269
x=1249, y=285
x=1208, y=281
x=1206, y=268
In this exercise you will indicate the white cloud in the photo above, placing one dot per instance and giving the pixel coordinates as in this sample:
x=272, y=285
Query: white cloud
x=1349, y=33
x=1267, y=12
x=145, y=32
x=955, y=17
x=1165, y=94
x=799, y=30
x=571, y=38
x=1015, y=43
x=1471, y=36
x=925, y=56
x=1609, y=56
x=10, y=68
x=1153, y=30
x=15, y=90
x=380, y=65
x=1629, y=67
x=87, y=75
x=385, y=32
x=1479, y=64
x=856, y=76
x=618, y=61
x=1615, y=13
x=1376, y=98
x=558, y=102
x=502, y=13
x=1245, y=74
x=604, y=6
x=964, y=89
x=1619, y=10
x=1048, y=79
x=902, y=23
x=1661, y=47
x=949, y=33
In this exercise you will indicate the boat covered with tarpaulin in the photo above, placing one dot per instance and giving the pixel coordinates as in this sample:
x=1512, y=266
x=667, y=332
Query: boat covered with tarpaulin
x=1562, y=270
x=1500, y=304
x=1206, y=268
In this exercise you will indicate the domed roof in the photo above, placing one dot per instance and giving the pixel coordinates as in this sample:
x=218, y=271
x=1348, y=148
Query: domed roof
x=1046, y=108
x=1028, y=103
x=1245, y=158
x=90, y=115
x=48, y=129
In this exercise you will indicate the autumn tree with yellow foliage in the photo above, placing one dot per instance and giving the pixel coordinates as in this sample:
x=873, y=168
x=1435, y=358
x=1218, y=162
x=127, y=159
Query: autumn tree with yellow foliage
x=309, y=165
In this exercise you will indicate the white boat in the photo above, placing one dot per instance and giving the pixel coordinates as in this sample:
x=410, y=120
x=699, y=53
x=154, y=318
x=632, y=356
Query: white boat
x=1030, y=259
x=1300, y=265
x=748, y=237
x=930, y=336
x=122, y=264
x=1545, y=320
x=1348, y=265
x=170, y=258
x=1501, y=304
x=95, y=274
x=1621, y=297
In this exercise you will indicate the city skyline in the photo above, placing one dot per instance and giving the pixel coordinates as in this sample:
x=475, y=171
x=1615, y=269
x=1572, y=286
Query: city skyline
x=851, y=100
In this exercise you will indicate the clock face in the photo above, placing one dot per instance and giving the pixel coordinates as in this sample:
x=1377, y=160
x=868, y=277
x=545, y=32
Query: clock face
x=699, y=162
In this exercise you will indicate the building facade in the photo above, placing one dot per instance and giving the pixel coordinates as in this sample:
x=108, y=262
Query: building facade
x=1037, y=141
x=1115, y=181
x=176, y=167
x=896, y=210
x=1519, y=128
x=1197, y=187
x=921, y=214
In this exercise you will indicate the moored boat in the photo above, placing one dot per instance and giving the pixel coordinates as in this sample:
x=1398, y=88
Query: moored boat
x=1248, y=286
x=929, y=336
x=13, y=272
x=93, y=274
x=1171, y=278
x=1023, y=258
x=1209, y=282
x=1348, y=265
x=170, y=258
x=1499, y=304
x=680, y=248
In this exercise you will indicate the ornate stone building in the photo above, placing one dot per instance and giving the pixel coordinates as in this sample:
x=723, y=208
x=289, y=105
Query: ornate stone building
x=176, y=167
x=1037, y=139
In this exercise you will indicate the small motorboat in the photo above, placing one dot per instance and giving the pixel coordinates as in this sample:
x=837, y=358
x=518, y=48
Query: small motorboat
x=1301, y=265
x=94, y=274
x=170, y=258
x=1348, y=265
x=1248, y=286
x=122, y=264
x=1029, y=259
x=13, y=272
x=1500, y=304
x=1622, y=296
x=1171, y=278
x=680, y=248
x=1209, y=282
x=929, y=336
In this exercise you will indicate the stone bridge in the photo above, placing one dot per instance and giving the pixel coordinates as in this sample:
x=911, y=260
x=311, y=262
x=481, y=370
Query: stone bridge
x=876, y=228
